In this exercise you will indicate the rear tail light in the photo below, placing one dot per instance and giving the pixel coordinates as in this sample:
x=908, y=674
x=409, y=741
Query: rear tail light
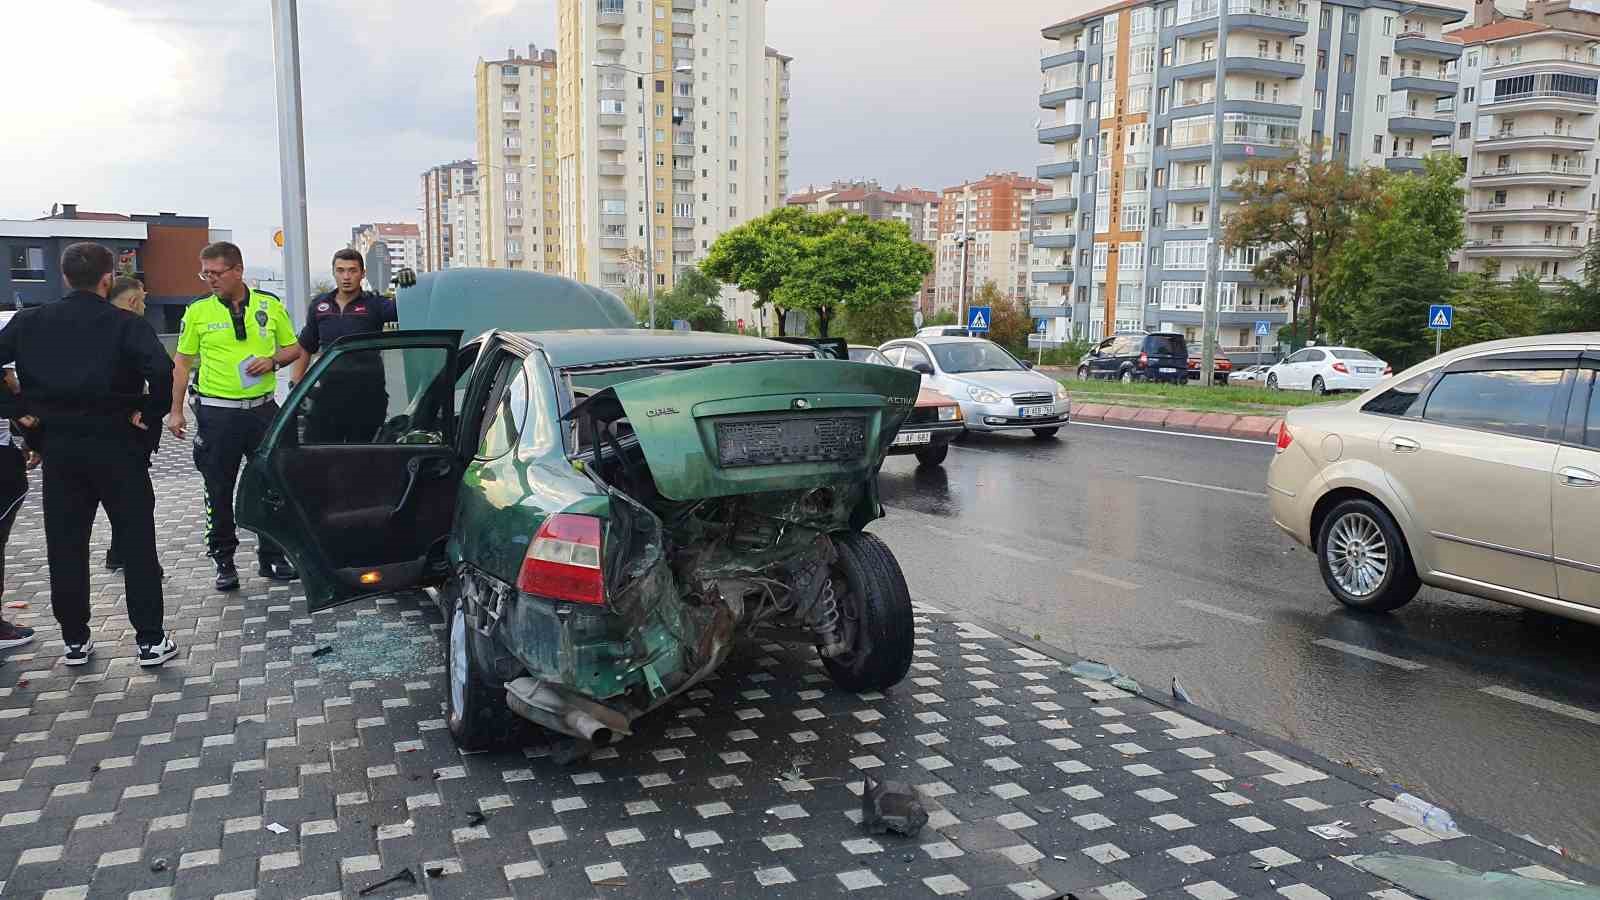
x=563, y=562
x=1341, y=368
x=1284, y=439
x=1144, y=360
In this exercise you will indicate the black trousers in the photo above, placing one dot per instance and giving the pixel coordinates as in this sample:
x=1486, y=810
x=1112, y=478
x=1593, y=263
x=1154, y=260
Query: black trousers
x=346, y=413
x=13, y=487
x=83, y=473
x=223, y=438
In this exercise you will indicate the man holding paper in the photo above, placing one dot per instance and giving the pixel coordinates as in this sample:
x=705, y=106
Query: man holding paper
x=239, y=338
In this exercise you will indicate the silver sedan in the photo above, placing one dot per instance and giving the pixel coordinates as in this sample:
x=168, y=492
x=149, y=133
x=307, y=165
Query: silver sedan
x=997, y=392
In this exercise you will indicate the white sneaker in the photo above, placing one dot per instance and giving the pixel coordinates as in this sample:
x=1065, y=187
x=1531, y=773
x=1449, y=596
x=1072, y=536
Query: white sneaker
x=156, y=654
x=78, y=654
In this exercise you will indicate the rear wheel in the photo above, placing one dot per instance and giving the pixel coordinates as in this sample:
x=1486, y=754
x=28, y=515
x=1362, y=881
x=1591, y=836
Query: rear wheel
x=1083, y=373
x=933, y=456
x=1272, y=382
x=873, y=596
x=1364, y=559
x=1127, y=376
x=1318, y=386
x=477, y=713
x=1046, y=432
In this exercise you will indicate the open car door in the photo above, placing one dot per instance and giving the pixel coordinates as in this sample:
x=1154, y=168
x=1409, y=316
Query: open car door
x=358, y=474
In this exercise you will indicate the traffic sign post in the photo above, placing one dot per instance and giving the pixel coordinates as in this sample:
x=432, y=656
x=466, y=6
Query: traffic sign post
x=1263, y=328
x=978, y=319
x=1041, y=326
x=1441, y=316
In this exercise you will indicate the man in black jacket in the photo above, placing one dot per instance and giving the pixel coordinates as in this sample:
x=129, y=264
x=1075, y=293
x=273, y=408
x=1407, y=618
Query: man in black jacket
x=83, y=366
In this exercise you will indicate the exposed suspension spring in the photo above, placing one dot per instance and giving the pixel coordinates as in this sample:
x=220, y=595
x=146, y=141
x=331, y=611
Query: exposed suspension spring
x=826, y=621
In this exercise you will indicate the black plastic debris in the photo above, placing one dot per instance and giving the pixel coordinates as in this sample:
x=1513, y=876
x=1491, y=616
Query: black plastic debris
x=434, y=871
x=891, y=806
x=475, y=818
x=321, y=651
x=404, y=876
x=159, y=864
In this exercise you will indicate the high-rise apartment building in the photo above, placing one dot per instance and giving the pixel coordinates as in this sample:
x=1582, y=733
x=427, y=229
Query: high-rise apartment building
x=403, y=240
x=518, y=189
x=673, y=98
x=451, y=234
x=985, y=233
x=1132, y=88
x=1525, y=133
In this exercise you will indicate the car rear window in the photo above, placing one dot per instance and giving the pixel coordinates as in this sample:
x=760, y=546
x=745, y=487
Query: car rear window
x=1353, y=354
x=1165, y=345
x=1401, y=400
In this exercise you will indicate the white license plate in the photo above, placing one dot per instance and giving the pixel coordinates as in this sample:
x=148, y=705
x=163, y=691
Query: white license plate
x=1036, y=412
x=1167, y=370
x=1366, y=370
x=908, y=438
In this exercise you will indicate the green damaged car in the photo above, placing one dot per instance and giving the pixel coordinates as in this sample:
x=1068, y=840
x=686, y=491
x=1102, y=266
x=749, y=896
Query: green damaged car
x=602, y=510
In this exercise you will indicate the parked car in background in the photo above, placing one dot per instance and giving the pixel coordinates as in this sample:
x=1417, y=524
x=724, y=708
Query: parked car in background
x=1249, y=375
x=1477, y=471
x=1221, y=368
x=997, y=392
x=603, y=511
x=1322, y=370
x=1138, y=356
x=932, y=425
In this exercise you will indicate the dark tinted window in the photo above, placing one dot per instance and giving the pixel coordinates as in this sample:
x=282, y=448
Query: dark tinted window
x=1353, y=354
x=972, y=356
x=1514, y=402
x=914, y=356
x=1591, y=434
x=1127, y=345
x=1314, y=356
x=868, y=355
x=1166, y=345
x=1401, y=400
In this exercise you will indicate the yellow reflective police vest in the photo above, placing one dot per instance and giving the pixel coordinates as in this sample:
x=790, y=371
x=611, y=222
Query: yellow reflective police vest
x=209, y=333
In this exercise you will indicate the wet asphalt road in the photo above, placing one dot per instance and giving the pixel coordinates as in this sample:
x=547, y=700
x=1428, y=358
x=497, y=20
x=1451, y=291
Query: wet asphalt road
x=1077, y=541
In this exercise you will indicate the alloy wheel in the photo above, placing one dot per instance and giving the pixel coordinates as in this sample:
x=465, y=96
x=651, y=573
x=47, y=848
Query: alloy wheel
x=1357, y=554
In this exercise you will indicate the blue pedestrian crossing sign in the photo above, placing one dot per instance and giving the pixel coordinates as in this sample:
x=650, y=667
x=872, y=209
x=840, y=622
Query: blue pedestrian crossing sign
x=979, y=317
x=1042, y=325
x=1441, y=316
x=1263, y=327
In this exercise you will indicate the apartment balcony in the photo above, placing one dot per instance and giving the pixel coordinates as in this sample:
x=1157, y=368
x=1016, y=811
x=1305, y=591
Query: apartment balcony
x=1058, y=98
x=613, y=120
x=1060, y=133
x=1055, y=205
x=1050, y=310
x=1525, y=211
x=683, y=221
x=683, y=28
x=1418, y=122
x=1537, y=139
x=613, y=170
x=1270, y=66
x=612, y=93
x=1543, y=100
x=1403, y=163
x=610, y=45
x=1199, y=192
x=1541, y=173
x=1243, y=15
x=512, y=151
x=1414, y=43
x=611, y=15
x=1234, y=148
x=1056, y=61
x=685, y=245
x=683, y=6
x=682, y=54
x=613, y=243
x=682, y=150
x=1525, y=248
x=1055, y=240
x=1057, y=169
x=1053, y=275
x=614, y=145
x=1437, y=87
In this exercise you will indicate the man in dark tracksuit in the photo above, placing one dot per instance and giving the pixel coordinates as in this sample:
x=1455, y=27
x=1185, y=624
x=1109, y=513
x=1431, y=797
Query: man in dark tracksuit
x=349, y=405
x=83, y=366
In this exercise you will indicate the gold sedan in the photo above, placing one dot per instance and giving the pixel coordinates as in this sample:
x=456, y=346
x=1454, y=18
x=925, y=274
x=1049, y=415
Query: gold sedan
x=1477, y=471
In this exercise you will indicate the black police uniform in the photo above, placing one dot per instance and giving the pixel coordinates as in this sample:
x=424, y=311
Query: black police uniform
x=83, y=366
x=348, y=406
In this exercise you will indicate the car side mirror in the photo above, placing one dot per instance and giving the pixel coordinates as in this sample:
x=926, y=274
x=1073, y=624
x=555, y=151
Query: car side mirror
x=922, y=368
x=1026, y=364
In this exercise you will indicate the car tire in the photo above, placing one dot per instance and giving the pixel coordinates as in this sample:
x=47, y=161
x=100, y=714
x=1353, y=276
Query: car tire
x=874, y=592
x=933, y=456
x=1319, y=387
x=1083, y=373
x=1127, y=376
x=1043, y=433
x=475, y=711
x=1272, y=382
x=1364, y=528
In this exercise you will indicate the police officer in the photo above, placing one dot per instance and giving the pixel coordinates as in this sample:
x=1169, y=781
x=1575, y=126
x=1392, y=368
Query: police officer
x=239, y=337
x=83, y=366
x=347, y=406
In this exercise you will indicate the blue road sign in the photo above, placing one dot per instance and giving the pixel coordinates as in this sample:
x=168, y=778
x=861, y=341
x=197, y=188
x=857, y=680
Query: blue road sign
x=1042, y=325
x=979, y=317
x=1441, y=316
x=1263, y=328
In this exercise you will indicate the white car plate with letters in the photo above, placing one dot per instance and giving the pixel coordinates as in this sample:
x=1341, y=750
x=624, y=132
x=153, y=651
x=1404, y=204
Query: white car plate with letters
x=1167, y=370
x=1036, y=412
x=909, y=438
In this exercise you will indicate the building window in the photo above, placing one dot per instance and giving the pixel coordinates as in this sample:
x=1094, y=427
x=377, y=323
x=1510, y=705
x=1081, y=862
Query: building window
x=1166, y=57
x=1382, y=98
x=1327, y=18
x=27, y=263
x=1472, y=60
x=1344, y=103
x=1319, y=98
x=1341, y=141
x=1162, y=100
x=1347, y=65
x=1094, y=35
x=1388, y=24
x=1350, y=20
x=1466, y=130
x=1467, y=94
x=1322, y=60
x=1100, y=256
x=1094, y=72
x=1383, y=63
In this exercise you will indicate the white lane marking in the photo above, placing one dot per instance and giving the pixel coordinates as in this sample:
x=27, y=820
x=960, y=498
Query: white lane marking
x=1204, y=487
x=1104, y=579
x=1562, y=709
x=1187, y=434
x=1373, y=655
x=1221, y=611
x=990, y=546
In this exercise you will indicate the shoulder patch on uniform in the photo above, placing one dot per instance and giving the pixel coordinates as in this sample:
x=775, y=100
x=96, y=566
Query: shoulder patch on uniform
x=324, y=306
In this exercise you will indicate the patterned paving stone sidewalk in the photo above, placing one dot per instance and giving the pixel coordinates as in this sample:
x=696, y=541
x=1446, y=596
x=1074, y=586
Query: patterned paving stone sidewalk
x=255, y=765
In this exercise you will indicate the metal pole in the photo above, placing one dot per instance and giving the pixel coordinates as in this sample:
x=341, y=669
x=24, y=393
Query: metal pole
x=1438, y=337
x=649, y=207
x=291, y=158
x=1208, y=318
x=961, y=286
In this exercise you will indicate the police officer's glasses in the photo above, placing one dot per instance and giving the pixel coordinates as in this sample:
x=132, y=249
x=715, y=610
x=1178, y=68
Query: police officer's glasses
x=209, y=276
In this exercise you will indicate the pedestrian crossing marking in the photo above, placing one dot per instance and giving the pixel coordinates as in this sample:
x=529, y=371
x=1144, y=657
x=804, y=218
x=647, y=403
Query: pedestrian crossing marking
x=1439, y=321
x=978, y=321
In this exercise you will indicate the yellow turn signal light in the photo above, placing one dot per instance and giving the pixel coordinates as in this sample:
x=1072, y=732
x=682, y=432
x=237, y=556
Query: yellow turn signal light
x=372, y=577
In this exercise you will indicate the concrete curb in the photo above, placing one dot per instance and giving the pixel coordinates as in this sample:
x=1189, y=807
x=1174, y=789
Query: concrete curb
x=1255, y=428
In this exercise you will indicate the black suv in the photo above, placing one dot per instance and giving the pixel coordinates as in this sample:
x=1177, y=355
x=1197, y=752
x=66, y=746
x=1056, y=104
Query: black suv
x=1138, y=356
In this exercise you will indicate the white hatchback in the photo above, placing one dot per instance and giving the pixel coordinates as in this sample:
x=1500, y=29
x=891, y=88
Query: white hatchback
x=1324, y=369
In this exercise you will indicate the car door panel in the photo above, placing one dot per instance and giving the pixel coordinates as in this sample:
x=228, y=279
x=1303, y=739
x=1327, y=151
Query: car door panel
x=1575, y=501
x=363, y=517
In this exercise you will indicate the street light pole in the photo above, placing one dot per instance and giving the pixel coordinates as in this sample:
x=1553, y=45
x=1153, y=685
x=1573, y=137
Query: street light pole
x=291, y=158
x=961, y=287
x=1213, y=286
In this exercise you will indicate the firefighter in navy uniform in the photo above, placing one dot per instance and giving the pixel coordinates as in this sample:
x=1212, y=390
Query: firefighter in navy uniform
x=239, y=338
x=349, y=404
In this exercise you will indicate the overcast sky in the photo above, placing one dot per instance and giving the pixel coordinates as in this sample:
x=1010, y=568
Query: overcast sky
x=168, y=105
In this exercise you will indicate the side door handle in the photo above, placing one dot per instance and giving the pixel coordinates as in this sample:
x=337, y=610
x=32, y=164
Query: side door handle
x=1572, y=476
x=418, y=468
x=1404, y=445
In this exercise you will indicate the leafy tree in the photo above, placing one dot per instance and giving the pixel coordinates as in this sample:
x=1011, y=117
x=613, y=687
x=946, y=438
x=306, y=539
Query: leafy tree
x=1299, y=211
x=760, y=255
x=942, y=317
x=869, y=269
x=694, y=298
x=1576, y=304
x=1009, y=323
x=638, y=304
x=1487, y=310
